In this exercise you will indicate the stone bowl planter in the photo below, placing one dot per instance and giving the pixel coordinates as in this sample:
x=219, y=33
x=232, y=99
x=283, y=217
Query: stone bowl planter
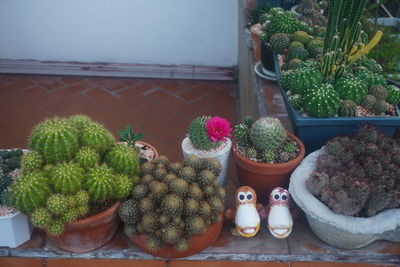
x=89, y=233
x=15, y=230
x=222, y=155
x=196, y=243
x=338, y=230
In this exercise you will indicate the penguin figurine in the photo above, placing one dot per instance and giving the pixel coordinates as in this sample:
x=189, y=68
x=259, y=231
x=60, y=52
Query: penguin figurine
x=247, y=220
x=280, y=222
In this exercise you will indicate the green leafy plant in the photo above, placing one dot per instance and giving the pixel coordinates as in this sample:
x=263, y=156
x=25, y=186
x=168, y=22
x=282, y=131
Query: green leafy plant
x=127, y=135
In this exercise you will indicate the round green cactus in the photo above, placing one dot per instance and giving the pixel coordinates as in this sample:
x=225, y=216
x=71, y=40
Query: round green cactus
x=379, y=107
x=379, y=91
x=80, y=121
x=87, y=157
x=82, y=198
x=55, y=139
x=300, y=53
x=321, y=102
x=314, y=47
x=57, y=204
x=393, y=94
x=301, y=36
x=368, y=101
x=56, y=227
x=31, y=161
x=351, y=88
x=267, y=133
x=30, y=191
x=66, y=177
x=279, y=42
x=123, y=159
x=41, y=217
x=197, y=133
x=97, y=137
x=347, y=109
x=301, y=79
x=295, y=44
x=100, y=182
x=123, y=186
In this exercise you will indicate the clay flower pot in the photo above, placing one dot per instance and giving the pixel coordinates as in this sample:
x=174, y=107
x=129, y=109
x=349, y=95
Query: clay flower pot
x=255, y=33
x=264, y=177
x=196, y=243
x=149, y=147
x=143, y=147
x=89, y=233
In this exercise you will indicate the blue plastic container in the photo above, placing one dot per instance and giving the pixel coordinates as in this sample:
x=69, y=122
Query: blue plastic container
x=314, y=132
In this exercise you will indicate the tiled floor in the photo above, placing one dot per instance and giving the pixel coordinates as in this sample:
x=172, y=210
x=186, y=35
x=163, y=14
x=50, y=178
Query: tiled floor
x=160, y=109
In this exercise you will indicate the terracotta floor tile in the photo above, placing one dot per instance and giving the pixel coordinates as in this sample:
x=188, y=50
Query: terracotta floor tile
x=197, y=92
x=16, y=86
x=68, y=80
x=68, y=102
x=226, y=264
x=74, y=89
x=103, y=263
x=40, y=96
x=19, y=262
x=161, y=97
x=111, y=84
x=47, y=82
x=128, y=82
x=171, y=85
x=134, y=91
x=102, y=97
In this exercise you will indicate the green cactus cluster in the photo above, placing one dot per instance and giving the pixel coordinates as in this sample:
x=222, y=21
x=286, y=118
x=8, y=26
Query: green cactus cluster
x=301, y=36
x=197, y=134
x=279, y=42
x=279, y=21
x=10, y=159
x=321, y=101
x=352, y=178
x=73, y=170
x=297, y=81
x=351, y=88
x=393, y=94
x=300, y=53
x=178, y=202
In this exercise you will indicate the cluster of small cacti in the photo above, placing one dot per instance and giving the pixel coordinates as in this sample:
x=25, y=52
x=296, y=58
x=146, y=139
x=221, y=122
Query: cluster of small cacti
x=73, y=166
x=264, y=140
x=353, y=178
x=174, y=201
x=9, y=161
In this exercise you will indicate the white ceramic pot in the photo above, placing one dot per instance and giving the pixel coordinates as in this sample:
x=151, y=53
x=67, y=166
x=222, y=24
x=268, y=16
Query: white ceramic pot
x=335, y=229
x=222, y=155
x=15, y=230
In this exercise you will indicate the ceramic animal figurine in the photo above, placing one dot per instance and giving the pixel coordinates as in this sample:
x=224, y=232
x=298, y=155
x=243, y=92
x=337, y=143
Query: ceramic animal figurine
x=247, y=219
x=280, y=222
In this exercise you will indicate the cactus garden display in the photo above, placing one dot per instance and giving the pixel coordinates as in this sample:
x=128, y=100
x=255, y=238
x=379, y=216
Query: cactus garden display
x=173, y=202
x=73, y=170
x=353, y=178
x=264, y=140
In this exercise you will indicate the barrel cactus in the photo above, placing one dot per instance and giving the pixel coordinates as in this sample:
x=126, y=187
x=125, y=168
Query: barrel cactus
x=123, y=159
x=66, y=178
x=347, y=109
x=55, y=139
x=301, y=79
x=321, y=101
x=279, y=42
x=87, y=157
x=301, y=36
x=300, y=53
x=96, y=136
x=267, y=133
x=99, y=182
x=198, y=134
x=31, y=161
x=351, y=88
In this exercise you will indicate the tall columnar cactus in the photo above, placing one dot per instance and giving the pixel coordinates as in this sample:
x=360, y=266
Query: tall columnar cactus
x=321, y=102
x=100, y=182
x=55, y=139
x=351, y=88
x=96, y=136
x=31, y=161
x=123, y=159
x=197, y=133
x=87, y=157
x=66, y=178
x=267, y=133
x=30, y=191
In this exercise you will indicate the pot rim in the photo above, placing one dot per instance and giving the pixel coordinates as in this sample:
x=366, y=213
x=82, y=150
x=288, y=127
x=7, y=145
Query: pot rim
x=10, y=216
x=286, y=164
x=313, y=207
x=99, y=216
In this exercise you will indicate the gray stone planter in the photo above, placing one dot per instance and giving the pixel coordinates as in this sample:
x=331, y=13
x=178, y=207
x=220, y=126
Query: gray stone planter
x=335, y=229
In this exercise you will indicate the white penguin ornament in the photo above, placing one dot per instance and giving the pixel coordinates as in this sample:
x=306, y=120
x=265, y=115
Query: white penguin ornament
x=247, y=219
x=280, y=220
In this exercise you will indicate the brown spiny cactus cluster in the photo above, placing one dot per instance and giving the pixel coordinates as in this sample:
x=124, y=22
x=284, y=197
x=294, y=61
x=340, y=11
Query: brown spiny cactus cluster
x=359, y=175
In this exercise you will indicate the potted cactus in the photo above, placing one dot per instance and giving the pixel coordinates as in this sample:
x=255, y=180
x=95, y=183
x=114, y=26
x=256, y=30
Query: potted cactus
x=73, y=178
x=176, y=209
x=265, y=154
x=14, y=225
x=208, y=137
x=350, y=191
x=336, y=88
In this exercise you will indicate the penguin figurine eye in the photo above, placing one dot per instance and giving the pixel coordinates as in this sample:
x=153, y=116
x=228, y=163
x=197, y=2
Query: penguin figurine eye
x=241, y=196
x=284, y=196
x=249, y=196
x=276, y=197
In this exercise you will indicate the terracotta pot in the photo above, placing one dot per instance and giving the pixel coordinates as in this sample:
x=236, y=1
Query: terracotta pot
x=145, y=144
x=196, y=243
x=255, y=31
x=89, y=233
x=264, y=177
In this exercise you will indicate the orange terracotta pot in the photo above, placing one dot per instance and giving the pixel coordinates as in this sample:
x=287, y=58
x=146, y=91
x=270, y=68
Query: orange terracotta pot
x=196, y=243
x=264, y=177
x=145, y=144
x=89, y=233
x=255, y=32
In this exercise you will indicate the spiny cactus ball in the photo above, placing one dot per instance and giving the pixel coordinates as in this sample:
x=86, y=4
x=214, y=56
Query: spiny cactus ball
x=31, y=161
x=123, y=159
x=267, y=133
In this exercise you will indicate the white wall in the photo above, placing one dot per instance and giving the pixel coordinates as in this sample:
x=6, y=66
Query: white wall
x=195, y=32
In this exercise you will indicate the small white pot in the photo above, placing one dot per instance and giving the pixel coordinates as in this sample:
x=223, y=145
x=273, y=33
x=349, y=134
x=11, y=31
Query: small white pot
x=15, y=230
x=222, y=155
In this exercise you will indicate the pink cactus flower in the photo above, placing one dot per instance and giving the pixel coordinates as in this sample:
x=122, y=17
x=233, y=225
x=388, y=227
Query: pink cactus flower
x=218, y=129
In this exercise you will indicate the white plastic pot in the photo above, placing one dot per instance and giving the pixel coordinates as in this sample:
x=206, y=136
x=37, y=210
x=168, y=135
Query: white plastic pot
x=222, y=155
x=336, y=229
x=15, y=230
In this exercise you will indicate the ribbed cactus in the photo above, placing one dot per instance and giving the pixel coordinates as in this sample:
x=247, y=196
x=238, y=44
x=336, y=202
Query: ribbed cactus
x=300, y=53
x=123, y=159
x=368, y=101
x=301, y=36
x=241, y=133
x=55, y=139
x=279, y=42
x=393, y=94
x=66, y=178
x=57, y=204
x=197, y=133
x=80, y=121
x=41, y=217
x=347, y=109
x=379, y=91
x=31, y=161
x=30, y=191
x=321, y=102
x=123, y=186
x=100, y=182
x=267, y=133
x=96, y=136
x=87, y=157
x=351, y=88
x=300, y=79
